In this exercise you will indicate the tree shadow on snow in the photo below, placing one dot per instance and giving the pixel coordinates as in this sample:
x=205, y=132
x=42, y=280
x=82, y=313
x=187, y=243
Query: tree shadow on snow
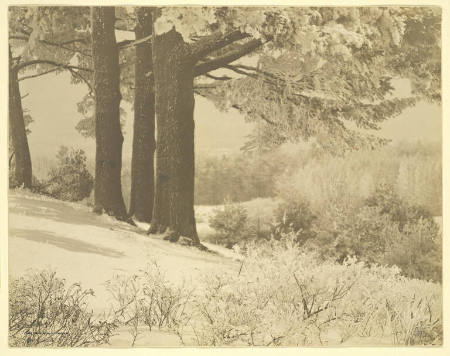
x=60, y=212
x=63, y=242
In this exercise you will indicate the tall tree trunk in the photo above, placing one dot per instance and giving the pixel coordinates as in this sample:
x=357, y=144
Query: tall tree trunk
x=108, y=135
x=17, y=133
x=142, y=161
x=174, y=101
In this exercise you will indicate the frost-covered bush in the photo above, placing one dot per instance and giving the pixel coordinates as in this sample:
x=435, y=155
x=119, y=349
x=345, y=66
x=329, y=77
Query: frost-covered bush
x=230, y=223
x=294, y=217
x=382, y=228
x=70, y=180
x=148, y=298
x=414, y=170
x=363, y=233
x=43, y=311
x=417, y=250
x=285, y=296
x=397, y=209
x=416, y=244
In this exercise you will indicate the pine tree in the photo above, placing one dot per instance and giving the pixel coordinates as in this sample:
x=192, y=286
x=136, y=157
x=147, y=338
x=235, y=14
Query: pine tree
x=36, y=44
x=317, y=68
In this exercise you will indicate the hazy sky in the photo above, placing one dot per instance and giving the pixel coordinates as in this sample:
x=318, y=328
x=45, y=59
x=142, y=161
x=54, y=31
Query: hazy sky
x=52, y=104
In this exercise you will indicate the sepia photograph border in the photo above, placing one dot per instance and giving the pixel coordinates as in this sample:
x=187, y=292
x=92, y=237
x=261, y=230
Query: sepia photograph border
x=236, y=351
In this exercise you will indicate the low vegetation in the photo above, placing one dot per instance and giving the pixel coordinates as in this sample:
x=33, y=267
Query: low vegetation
x=45, y=312
x=281, y=295
x=341, y=251
x=148, y=298
x=231, y=224
x=69, y=179
x=352, y=207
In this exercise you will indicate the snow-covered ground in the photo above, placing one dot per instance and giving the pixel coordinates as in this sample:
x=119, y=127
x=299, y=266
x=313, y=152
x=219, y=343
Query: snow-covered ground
x=83, y=247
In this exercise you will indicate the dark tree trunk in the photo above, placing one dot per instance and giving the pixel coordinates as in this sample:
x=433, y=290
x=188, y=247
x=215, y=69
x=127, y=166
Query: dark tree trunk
x=142, y=161
x=174, y=101
x=17, y=133
x=108, y=135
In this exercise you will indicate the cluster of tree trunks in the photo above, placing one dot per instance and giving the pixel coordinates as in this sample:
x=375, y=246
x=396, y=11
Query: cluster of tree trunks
x=164, y=78
x=164, y=87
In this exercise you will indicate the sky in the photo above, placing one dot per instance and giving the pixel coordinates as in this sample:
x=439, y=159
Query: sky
x=52, y=100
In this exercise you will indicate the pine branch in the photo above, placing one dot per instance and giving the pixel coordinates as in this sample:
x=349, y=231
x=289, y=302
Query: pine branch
x=204, y=86
x=74, y=70
x=198, y=90
x=27, y=37
x=132, y=43
x=19, y=37
x=122, y=28
x=45, y=61
x=225, y=77
x=74, y=40
x=239, y=71
x=227, y=58
x=83, y=79
x=255, y=69
x=208, y=44
x=38, y=74
x=57, y=44
x=73, y=50
x=271, y=79
x=249, y=112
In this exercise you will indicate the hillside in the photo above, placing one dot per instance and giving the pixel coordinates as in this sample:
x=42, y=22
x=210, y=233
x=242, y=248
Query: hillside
x=83, y=247
x=90, y=249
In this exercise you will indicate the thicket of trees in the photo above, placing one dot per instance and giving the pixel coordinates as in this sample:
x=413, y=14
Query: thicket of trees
x=413, y=169
x=317, y=70
x=239, y=177
x=365, y=205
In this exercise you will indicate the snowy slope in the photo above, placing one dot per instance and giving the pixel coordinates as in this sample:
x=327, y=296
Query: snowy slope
x=83, y=247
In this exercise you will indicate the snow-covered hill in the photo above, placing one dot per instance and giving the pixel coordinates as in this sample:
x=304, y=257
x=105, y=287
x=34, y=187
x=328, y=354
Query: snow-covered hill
x=83, y=247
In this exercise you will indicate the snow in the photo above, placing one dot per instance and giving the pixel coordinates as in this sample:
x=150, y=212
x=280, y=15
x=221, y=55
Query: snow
x=87, y=248
x=83, y=247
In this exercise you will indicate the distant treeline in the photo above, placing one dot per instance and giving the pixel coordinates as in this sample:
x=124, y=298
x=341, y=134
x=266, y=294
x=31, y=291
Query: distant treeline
x=414, y=169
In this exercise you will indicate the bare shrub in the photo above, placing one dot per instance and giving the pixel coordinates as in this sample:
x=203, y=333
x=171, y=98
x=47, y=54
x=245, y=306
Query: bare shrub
x=147, y=298
x=44, y=312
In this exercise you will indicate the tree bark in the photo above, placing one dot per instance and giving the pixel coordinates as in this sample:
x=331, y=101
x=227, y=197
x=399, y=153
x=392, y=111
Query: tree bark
x=17, y=133
x=108, y=136
x=142, y=160
x=174, y=104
